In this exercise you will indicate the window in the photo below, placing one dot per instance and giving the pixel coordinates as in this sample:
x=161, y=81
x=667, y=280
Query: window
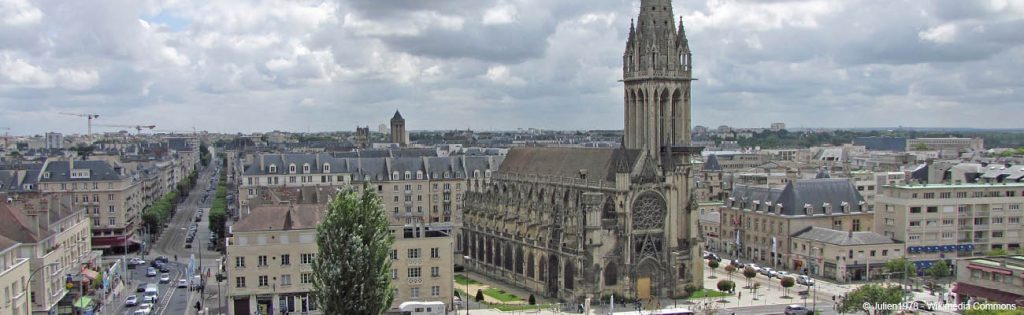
x=997, y=234
x=414, y=292
x=915, y=209
x=1013, y=220
x=885, y=252
x=915, y=237
x=947, y=235
x=110, y=197
x=263, y=281
x=239, y=282
x=944, y=195
x=286, y=279
x=396, y=199
x=261, y=261
x=929, y=195
x=306, y=259
x=394, y=254
x=291, y=169
x=414, y=253
x=947, y=221
x=933, y=209
x=435, y=272
x=240, y=262
x=111, y=208
x=856, y=225
x=997, y=220
x=113, y=221
x=915, y=223
x=394, y=273
x=435, y=290
x=286, y=259
x=435, y=252
x=872, y=253
x=95, y=221
x=890, y=221
x=961, y=194
x=414, y=272
x=305, y=168
x=306, y=278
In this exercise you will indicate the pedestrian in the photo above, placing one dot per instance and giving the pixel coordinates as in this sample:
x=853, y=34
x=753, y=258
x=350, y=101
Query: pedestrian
x=739, y=295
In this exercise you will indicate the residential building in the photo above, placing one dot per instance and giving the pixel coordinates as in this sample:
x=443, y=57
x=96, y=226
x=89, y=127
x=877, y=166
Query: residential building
x=778, y=126
x=14, y=277
x=951, y=144
x=842, y=255
x=998, y=280
x=54, y=140
x=945, y=221
x=710, y=226
x=571, y=222
x=759, y=222
x=112, y=199
x=269, y=261
x=54, y=236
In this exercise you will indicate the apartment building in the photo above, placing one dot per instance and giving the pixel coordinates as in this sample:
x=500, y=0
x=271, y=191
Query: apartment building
x=270, y=255
x=758, y=223
x=945, y=221
x=53, y=237
x=14, y=274
x=998, y=280
x=946, y=144
x=113, y=200
x=710, y=226
x=842, y=255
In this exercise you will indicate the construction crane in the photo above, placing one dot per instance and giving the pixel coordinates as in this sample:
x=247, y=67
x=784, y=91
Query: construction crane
x=6, y=137
x=138, y=128
x=89, y=117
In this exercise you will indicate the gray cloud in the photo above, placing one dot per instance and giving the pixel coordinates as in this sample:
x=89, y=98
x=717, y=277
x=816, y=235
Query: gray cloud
x=331, y=65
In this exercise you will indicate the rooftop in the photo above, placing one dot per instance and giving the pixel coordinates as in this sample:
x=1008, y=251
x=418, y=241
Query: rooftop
x=965, y=185
x=842, y=238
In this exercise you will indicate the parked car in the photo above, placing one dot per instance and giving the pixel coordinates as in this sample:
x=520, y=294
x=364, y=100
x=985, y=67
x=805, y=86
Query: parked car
x=922, y=305
x=796, y=309
x=781, y=274
x=736, y=263
x=151, y=272
x=136, y=261
x=132, y=300
x=805, y=280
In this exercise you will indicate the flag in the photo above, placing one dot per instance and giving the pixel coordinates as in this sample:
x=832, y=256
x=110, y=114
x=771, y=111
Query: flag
x=775, y=244
x=737, y=238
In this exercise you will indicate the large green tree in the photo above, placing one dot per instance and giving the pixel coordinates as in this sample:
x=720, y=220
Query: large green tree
x=901, y=268
x=351, y=274
x=870, y=295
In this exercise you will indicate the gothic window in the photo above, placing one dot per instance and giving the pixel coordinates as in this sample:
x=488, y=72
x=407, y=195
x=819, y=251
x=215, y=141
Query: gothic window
x=648, y=212
x=529, y=266
x=611, y=274
x=509, y=257
x=542, y=275
x=570, y=273
x=519, y=261
x=497, y=254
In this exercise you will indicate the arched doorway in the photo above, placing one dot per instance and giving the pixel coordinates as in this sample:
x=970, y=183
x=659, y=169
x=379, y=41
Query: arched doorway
x=553, y=276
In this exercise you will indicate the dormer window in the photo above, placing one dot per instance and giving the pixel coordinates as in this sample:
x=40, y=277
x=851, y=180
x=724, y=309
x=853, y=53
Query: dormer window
x=845, y=207
x=408, y=175
x=305, y=168
x=45, y=175
x=327, y=168
x=394, y=176
x=808, y=208
x=291, y=169
x=487, y=174
x=476, y=173
x=778, y=207
x=446, y=175
x=272, y=168
x=419, y=174
x=826, y=208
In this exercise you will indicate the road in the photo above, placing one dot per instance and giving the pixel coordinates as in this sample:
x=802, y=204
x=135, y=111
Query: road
x=171, y=244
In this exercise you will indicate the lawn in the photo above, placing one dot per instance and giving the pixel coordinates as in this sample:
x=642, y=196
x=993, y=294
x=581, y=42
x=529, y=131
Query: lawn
x=520, y=307
x=501, y=295
x=703, y=293
x=463, y=280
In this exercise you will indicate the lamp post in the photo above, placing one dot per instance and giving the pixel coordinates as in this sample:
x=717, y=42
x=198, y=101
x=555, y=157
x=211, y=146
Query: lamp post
x=33, y=273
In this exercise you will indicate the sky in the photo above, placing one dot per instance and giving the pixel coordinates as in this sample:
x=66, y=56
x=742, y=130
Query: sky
x=293, y=65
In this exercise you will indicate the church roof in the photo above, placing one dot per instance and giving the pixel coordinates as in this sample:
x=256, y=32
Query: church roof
x=712, y=163
x=599, y=163
x=398, y=116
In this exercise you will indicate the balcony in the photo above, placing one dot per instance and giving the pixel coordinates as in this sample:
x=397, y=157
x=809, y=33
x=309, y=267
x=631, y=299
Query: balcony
x=415, y=261
x=416, y=280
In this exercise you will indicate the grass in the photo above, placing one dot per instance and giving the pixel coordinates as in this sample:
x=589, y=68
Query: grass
x=520, y=307
x=463, y=280
x=501, y=295
x=704, y=293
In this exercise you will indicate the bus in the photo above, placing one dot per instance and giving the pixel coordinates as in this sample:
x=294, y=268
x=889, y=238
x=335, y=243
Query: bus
x=422, y=308
x=667, y=311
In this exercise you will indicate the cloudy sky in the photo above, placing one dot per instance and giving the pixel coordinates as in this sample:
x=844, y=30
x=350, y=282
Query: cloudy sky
x=231, y=65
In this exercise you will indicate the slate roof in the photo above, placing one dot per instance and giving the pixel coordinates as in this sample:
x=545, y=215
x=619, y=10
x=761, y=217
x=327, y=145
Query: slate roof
x=98, y=170
x=882, y=143
x=600, y=163
x=376, y=168
x=711, y=164
x=280, y=218
x=1000, y=172
x=796, y=194
x=842, y=238
x=19, y=227
x=397, y=116
x=6, y=243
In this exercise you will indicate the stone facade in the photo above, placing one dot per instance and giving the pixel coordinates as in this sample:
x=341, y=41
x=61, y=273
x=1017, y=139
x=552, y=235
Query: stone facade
x=398, y=133
x=568, y=223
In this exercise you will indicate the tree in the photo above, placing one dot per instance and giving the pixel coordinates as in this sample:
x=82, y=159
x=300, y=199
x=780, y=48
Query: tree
x=870, y=294
x=938, y=271
x=749, y=273
x=729, y=269
x=902, y=267
x=921, y=147
x=712, y=264
x=532, y=300
x=996, y=252
x=204, y=154
x=352, y=272
x=479, y=295
x=725, y=286
x=786, y=283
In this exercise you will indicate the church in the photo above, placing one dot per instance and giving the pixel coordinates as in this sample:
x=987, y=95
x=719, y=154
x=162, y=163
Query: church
x=568, y=223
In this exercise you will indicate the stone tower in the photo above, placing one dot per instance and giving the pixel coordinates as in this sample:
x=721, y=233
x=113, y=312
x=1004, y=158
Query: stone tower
x=656, y=70
x=398, y=133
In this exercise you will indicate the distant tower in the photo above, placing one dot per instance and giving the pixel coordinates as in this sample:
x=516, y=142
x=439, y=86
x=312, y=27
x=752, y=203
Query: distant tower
x=363, y=137
x=657, y=73
x=398, y=133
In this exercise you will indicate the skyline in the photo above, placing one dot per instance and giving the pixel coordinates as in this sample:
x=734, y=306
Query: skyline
x=231, y=66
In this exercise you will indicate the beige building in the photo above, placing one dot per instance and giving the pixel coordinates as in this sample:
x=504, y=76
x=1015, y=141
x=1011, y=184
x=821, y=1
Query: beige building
x=758, y=222
x=269, y=262
x=842, y=255
x=14, y=277
x=53, y=237
x=112, y=198
x=710, y=226
x=941, y=221
x=998, y=280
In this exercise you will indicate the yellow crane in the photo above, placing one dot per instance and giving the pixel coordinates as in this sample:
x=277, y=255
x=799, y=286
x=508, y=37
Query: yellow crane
x=89, y=117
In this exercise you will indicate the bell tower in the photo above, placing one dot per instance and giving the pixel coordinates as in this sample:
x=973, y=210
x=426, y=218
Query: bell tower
x=656, y=71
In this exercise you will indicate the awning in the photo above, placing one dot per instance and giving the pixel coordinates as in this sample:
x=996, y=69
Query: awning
x=989, y=294
x=92, y=275
x=83, y=302
x=990, y=269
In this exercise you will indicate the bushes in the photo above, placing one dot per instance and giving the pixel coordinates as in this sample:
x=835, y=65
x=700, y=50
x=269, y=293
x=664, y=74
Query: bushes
x=159, y=212
x=532, y=300
x=479, y=295
x=726, y=285
x=218, y=209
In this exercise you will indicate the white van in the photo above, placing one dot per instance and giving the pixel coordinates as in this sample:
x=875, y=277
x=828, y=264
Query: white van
x=152, y=290
x=422, y=308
